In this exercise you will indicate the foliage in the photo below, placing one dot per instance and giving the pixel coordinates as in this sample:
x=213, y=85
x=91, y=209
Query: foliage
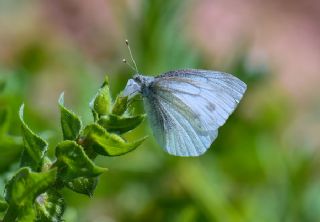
x=34, y=191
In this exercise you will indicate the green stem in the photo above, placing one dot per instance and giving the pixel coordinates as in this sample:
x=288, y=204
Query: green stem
x=10, y=215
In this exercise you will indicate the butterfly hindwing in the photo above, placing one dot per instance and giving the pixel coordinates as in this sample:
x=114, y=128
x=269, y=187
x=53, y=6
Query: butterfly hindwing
x=176, y=134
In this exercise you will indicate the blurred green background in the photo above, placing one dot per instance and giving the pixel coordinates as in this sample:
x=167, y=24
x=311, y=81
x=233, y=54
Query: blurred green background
x=264, y=166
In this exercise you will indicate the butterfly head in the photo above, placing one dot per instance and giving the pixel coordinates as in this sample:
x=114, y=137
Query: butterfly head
x=137, y=85
x=143, y=80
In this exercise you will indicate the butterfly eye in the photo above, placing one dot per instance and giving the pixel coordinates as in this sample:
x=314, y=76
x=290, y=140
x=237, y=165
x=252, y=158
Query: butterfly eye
x=137, y=79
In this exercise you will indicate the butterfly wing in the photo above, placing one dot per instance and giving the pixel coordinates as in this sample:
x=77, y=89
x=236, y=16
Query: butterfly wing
x=186, y=108
x=173, y=131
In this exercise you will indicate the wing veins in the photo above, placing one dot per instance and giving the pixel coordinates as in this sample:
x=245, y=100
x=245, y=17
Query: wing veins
x=186, y=132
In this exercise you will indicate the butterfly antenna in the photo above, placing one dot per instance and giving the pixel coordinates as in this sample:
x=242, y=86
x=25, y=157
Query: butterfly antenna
x=125, y=61
x=134, y=63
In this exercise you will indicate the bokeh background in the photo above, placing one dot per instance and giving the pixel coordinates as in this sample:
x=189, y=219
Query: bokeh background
x=265, y=164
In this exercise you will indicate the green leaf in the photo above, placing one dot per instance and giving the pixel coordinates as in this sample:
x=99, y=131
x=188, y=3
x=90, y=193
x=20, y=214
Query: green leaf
x=23, y=214
x=120, y=105
x=83, y=185
x=107, y=144
x=119, y=124
x=3, y=205
x=101, y=102
x=94, y=114
x=34, y=146
x=73, y=162
x=46, y=165
x=70, y=122
x=4, y=121
x=25, y=186
x=50, y=206
x=22, y=190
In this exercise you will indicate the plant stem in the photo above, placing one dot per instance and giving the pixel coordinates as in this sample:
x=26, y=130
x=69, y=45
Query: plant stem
x=10, y=215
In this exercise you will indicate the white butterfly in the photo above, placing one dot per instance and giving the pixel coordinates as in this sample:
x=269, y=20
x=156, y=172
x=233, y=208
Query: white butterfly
x=186, y=107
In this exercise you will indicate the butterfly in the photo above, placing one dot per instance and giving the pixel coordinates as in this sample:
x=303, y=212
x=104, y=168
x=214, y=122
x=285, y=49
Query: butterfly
x=186, y=107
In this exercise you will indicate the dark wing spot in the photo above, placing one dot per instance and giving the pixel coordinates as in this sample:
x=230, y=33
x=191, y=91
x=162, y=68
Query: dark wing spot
x=211, y=107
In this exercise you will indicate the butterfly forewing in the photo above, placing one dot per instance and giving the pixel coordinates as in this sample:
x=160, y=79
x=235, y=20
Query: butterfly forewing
x=186, y=107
